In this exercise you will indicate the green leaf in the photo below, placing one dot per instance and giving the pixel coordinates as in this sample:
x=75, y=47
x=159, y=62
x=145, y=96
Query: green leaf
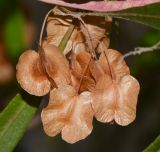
x=14, y=120
x=150, y=38
x=148, y=15
x=154, y=147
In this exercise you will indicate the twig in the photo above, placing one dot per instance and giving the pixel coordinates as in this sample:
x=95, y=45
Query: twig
x=140, y=50
x=43, y=25
x=88, y=38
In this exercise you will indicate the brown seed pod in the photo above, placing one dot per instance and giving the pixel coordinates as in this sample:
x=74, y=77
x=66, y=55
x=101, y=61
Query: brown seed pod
x=80, y=69
x=96, y=70
x=115, y=95
x=116, y=100
x=57, y=28
x=113, y=64
x=30, y=74
x=97, y=28
x=68, y=112
x=56, y=65
x=103, y=45
x=80, y=59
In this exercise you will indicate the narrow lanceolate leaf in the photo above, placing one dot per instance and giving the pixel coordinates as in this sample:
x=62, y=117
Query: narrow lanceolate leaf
x=14, y=120
x=102, y=6
x=154, y=147
x=148, y=15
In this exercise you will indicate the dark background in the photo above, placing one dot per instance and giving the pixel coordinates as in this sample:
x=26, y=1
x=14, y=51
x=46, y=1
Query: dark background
x=125, y=36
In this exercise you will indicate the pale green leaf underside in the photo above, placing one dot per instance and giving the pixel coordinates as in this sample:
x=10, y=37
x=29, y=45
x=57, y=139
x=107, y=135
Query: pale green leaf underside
x=148, y=15
x=14, y=120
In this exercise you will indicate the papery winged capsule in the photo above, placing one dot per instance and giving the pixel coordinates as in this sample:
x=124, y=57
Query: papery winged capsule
x=116, y=91
x=31, y=75
x=68, y=113
x=37, y=72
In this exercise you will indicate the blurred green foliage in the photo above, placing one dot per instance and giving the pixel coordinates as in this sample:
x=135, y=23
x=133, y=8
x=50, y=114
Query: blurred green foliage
x=6, y=8
x=14, y=34
x=149, y=60
x=150, y=38
x=147, y=15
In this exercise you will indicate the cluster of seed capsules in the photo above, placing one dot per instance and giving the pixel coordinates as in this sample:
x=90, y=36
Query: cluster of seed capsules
x=86, y=80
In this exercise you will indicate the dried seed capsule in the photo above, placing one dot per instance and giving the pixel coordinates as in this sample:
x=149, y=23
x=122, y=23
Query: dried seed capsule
x=30, y=74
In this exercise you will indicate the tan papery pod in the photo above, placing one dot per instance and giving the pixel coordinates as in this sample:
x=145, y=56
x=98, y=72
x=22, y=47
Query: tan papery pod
x=103, y=45
x=31, y=75
x=56, y=65
x=97, y=27
x=116, y=92
x=68, y=113
x=81, y=74
x=57, y=28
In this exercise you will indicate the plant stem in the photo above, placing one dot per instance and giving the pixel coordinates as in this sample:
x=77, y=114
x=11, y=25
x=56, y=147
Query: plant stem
x=43, y=25
x=140, y=50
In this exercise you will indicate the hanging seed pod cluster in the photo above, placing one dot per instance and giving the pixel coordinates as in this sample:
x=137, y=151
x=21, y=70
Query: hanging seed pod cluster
x=86, y=80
